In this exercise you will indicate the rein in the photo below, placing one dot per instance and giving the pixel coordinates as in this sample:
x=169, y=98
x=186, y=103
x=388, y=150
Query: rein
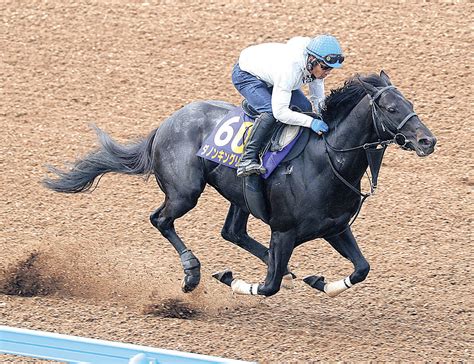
x=374, y=151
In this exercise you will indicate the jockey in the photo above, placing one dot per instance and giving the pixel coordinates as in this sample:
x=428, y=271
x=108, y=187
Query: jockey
x=269, y=76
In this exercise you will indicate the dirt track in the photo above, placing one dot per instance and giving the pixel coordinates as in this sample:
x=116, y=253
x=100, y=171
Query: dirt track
x=108, y=274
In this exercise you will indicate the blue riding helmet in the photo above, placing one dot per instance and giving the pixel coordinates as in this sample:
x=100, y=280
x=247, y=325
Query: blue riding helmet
x=326, y=48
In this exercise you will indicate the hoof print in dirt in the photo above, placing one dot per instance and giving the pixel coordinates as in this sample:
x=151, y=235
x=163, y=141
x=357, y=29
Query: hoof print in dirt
x=27, y=279
x=172, y=308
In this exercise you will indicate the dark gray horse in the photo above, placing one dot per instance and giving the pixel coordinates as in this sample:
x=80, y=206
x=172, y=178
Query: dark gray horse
x=311, y=196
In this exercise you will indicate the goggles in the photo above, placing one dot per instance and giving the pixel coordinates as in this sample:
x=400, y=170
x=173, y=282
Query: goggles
x=332, y=58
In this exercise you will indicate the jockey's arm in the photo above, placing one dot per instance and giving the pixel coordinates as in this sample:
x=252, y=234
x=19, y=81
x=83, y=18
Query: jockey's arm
x=281, y=98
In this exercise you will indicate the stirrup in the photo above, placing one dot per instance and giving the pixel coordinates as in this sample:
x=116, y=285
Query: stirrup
x=251, y=168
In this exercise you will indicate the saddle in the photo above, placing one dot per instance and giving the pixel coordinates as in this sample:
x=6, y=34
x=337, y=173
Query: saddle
x=283, y=135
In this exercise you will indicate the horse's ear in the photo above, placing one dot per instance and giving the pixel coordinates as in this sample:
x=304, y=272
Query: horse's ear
x=371, y=90
x=385, y=77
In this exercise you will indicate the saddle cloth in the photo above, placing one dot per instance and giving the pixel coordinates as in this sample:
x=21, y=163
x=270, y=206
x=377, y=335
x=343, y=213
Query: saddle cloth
x=225, y=144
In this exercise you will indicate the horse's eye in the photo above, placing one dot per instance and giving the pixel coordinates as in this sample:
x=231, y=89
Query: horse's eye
x=391, y=109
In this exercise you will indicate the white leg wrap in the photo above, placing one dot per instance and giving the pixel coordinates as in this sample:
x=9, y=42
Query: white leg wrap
x=287, y=282
x=241, y=287
x=332, y=289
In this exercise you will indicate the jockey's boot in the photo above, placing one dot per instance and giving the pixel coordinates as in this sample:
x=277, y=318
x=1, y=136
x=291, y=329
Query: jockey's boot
x=261, y=132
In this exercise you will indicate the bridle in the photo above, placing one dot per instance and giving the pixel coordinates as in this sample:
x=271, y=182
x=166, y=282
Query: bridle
x=397, y=137
x=374, y=150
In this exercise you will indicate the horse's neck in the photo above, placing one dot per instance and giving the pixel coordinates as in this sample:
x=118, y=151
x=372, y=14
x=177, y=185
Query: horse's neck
x=354, y=130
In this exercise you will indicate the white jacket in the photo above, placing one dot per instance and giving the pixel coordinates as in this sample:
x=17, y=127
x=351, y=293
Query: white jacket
x=283, y=66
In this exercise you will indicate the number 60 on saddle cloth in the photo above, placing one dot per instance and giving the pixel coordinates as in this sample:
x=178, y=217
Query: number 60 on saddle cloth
x=225, y=144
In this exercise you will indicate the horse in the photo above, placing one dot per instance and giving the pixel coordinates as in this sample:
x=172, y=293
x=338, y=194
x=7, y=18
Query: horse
x=314, y=195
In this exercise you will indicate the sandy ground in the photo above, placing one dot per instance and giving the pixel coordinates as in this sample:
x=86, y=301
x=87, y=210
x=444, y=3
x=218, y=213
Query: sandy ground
x=97, y=268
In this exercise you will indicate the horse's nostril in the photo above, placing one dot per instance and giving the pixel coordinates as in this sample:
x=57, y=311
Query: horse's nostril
x=427, y=142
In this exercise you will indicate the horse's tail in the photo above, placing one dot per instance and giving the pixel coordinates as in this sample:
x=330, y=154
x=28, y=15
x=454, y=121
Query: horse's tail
x=132, y=158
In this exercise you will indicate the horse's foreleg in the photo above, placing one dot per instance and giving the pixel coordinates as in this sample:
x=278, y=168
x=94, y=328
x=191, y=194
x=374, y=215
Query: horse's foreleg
x=235, y=231
x=346, y=245
x=281, y=248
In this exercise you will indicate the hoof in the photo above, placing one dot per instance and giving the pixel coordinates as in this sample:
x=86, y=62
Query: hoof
x=287, y=281
x=317, y=282
x=224, y=277
x=190, y=283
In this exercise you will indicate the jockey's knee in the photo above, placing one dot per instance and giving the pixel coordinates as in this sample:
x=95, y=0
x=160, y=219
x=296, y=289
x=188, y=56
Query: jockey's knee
x=361, y=272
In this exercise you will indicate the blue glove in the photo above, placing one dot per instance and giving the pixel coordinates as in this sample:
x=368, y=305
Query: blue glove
x=319, y=126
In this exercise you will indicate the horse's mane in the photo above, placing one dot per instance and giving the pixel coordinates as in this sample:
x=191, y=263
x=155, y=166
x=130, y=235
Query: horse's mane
x=341, y=101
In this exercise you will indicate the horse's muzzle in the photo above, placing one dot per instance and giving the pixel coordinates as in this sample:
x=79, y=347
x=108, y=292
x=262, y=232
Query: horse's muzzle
x=425, y=145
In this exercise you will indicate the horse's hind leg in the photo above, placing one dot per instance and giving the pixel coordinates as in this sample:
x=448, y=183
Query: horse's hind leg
x=175, y=206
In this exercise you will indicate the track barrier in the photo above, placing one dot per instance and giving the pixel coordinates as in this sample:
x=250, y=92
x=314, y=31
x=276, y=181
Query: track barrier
x=75, y=349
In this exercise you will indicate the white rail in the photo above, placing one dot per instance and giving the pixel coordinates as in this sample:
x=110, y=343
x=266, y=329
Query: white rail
x=75, y=349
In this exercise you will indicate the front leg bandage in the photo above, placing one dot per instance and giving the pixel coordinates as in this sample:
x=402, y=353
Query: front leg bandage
x=241, y=287
x=332, y=289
